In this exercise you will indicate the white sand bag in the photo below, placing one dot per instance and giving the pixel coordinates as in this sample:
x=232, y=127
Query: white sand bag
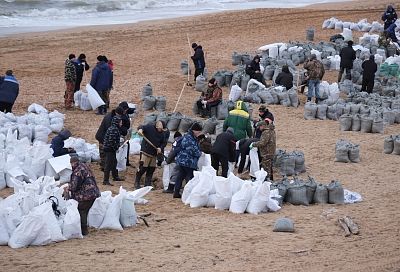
x=235, y=93
x=241, y=199
x=187, y=190
x=4, y=237
x=36, y=108
x=204, y=161
x=128, y=216
x=199, y=194
x=258, y=202
x=72, y=221
x=273, y=204
x=223, y=195
x=122, y=156
x=211, y=201
x=111, y=219
x=139, y=194
x=50, y=220
x=28, y=231
x=166, y=176
x=99, y=209
x=94, y=97
x=254, y=162
x=236, y=183
x=84, y=103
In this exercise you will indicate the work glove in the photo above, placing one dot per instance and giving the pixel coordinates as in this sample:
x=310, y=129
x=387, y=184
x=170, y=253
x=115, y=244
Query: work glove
x=204, y=102
x=251, y=146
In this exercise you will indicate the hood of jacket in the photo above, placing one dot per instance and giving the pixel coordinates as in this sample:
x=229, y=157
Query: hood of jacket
x=240, y=105
x=115, y=120
x=102, y=65
x=65, y=134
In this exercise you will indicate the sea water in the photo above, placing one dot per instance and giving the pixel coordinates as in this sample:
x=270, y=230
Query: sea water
x=18, y=16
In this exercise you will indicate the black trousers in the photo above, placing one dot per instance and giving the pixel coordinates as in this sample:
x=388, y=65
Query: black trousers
x=110, y=164
x=348, y=74
x=367, y=84
x=207, y=110
x=6, y=107
x=218, y=159
x=83, y=208
x=149, y=176
x=197, y=72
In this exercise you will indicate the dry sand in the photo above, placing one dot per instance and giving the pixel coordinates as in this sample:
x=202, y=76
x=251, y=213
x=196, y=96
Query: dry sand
x=207, y=239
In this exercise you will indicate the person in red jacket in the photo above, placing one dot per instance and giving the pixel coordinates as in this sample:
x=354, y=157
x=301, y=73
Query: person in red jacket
x=211, y=98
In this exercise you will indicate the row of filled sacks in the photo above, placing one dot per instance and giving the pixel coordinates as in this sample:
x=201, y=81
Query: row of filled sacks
x=38, y=214
x=300, y=192
x=257, y=93
x=232, y=193
x=87, y=152
x=391, y=145
x=362, y=25
x=36, y=126
x=388, y=96
x=346, y=151
x=150, y=102
x=289, y=163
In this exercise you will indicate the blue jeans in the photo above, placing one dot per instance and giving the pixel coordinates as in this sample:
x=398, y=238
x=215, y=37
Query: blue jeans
x=313, y=86
x=184, y=173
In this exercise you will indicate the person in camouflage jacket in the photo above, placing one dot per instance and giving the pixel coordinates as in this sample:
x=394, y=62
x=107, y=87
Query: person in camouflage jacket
x=111, y=145
x=316, y=71
x=266, y=146
x=70, y=79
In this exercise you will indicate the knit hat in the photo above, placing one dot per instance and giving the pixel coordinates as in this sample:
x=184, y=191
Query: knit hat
x=177, y=134
x=212, y=81
x=124, y=105
x=194, y=45
x=65, y=134
x=9, y=73
x=196, y=127
x=82, y=56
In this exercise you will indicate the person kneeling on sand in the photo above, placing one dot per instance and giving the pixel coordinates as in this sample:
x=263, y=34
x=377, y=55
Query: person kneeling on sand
x=211, y=98
x=188, y=157
x=83, y=188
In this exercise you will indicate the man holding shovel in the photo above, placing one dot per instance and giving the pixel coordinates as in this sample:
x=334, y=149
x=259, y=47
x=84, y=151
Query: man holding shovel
x=153, y=139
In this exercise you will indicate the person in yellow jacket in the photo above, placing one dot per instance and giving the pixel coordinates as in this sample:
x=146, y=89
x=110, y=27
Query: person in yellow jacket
x=239, y=119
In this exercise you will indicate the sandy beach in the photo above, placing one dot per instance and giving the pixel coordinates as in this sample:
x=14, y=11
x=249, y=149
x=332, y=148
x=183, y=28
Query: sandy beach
x=206, y=239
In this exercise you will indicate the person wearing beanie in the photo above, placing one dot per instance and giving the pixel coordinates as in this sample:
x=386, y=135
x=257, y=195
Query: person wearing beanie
x=263, y=114
x=57, y=144
x=347, y=56
x=111, y=145
x=101, y=131
x=211, y=98
x=254, y=71
x=151, y=147
x=223, y=151
x=187, y=157
x=198, y=60
x=315, y=70
x=285, y=78
x=80, y=66
x=102, y=80
x=9, y=90
x=70, y=80
x=266, y=146
x=369, y=69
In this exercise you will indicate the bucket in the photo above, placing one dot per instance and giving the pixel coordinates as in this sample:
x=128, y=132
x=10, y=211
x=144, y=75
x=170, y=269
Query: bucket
x=310, y=34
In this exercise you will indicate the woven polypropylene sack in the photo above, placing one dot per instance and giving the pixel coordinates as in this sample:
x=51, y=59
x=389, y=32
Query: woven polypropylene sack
x=388, y=145
x=300, y=166
x=150, y=118
x=174, y=121
x=377, y=126
x=321, y=111
x=311, y=185
x=297, y=194
x=149, y=102
x=161, y=103
x=335, y=193
x=366, y=124
x=310, y=110
x=396, y=145
x=342, y=153
x=288, y=164
x=147, y=90
x=354, y=153
x=321, y=194
x=209, y=125
x=345, y=122
x=283, y=225
x=185, y=124
x=356, y=123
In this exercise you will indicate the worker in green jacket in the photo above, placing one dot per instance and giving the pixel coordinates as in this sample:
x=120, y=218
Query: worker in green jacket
x=239, y=120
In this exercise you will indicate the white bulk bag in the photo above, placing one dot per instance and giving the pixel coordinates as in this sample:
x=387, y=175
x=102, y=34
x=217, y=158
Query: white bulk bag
x=347, y=34
x=204, y=160
x=273, y=204
x=99, y=209
x=72, y=221
x=94, y=97
x=199, y=194
x=77, y=98
x=36, y=108
x=259, y=201
x=187, y=190
x=4, y=237
x=128, y=216
x=241, y=199
x=223, y=195
x=111, y=219
x=273, y=52
x=235, y=93
x=139, y=194
x=166, y=175
x=84, y=102
x=236, y=183
x=122, y=154
x=27, y=232
x=254, y=162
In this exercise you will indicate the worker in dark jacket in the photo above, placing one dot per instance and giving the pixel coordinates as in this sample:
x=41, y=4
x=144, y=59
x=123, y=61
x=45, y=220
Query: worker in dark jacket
x=285, y=78
x=391, y=32
x=126, y=126
x=369, y=70
x=9, y=90
x=347, y=56
x=83, y=188
x=389, y=17
x=150, y=148
x=101, y=132
x=102, y=81
x=254, y=71
x=244, y=149
x=57, y=144
x=80, y=66
x=264, y=114
x=223, y=151
x=111, y=145
x=170, y=159
x=198, y=60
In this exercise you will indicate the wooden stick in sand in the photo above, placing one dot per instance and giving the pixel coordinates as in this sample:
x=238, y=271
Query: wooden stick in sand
x=188, y=80
x=179, y=98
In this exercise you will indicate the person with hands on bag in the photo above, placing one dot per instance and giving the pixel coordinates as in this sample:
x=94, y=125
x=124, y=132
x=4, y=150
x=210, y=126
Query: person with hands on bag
x=111, y=145
x=153, y=139
x=211, y=98
x=223, y=151
x=266, y=146
x=83, y=188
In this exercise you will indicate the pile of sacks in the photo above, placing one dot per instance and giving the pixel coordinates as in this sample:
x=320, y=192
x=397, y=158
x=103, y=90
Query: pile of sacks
x=299, y=192
x=232, y=193
x=391, y=145
x=151, y=102
x=87, y=152
x=289, y=163
x=346, y=151
x=37, y=214
x=362, y=25
x=88, y=100
x=36, y=125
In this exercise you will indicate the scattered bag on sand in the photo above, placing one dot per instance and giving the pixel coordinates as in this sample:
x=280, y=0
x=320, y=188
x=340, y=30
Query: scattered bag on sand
x=345, y=122
x=236, y=58
x=174, y=120
x=161, y=103
x=388, y=145
x=288, y=164
x=321, y=194
x=201, y=83
x=342, y=151
x=128, y=216
x=148, y=102
x=111, y=218
x=335, y=192
x=99, y=209
x=311, y=185
x=310, y=111
x=354, y=153
x=147, y=90
x=284, y=225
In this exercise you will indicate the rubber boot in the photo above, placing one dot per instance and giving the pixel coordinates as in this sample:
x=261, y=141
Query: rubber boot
x=137, y=182
x=170, y=189
x=147, y=181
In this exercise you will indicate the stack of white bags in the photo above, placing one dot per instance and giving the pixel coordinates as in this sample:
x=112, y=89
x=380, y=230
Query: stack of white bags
x=27, y=216
x=206, y=189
